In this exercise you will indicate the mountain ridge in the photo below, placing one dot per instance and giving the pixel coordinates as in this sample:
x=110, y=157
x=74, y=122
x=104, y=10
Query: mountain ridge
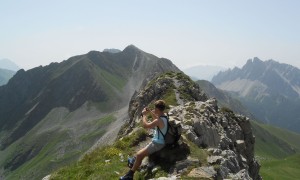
x=215, y=143
x=86, y=90
x=5, y=75
x=269, y=89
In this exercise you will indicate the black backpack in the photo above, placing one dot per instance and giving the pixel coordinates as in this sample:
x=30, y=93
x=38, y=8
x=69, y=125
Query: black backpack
x=172, y=135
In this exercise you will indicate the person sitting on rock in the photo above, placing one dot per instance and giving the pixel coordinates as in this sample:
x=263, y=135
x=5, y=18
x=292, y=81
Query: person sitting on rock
x=159, y=120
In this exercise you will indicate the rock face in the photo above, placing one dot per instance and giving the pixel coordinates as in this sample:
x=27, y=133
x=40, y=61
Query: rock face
x=224, y=98
x=227, y=137
x=170, y=85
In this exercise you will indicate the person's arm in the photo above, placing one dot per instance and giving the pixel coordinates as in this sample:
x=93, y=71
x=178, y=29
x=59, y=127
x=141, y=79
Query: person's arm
x=153, y=115
x=147, y=124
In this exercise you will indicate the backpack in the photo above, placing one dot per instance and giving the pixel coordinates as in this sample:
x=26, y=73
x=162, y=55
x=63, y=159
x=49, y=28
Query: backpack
x=172, y=135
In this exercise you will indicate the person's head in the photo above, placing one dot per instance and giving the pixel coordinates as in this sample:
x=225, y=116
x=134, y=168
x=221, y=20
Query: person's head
x=160, y=106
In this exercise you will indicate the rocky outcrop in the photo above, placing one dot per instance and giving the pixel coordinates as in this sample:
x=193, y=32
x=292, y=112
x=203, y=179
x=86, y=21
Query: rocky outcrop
x=171, y=84
x=225, y=136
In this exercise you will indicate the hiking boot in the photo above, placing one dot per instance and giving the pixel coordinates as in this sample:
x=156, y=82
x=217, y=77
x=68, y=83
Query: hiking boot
x=130, y=162
x=128, y=176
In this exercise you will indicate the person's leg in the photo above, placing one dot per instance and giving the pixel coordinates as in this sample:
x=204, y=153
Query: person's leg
x=139, y=158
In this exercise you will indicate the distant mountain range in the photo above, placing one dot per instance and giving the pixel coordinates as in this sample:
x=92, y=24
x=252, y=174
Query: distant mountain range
x=270, y=90
x=203, y=72
x=8, y=64
x=51, y=115
x=5, y=75
x=224, y=98
x=7, y=70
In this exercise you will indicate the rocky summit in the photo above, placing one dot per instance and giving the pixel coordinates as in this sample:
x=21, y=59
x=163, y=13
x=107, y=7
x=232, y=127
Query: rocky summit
x=215, y=143
x=225, y=138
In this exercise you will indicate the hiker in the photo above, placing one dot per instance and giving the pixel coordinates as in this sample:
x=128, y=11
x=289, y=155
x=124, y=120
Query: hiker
x=159, y=120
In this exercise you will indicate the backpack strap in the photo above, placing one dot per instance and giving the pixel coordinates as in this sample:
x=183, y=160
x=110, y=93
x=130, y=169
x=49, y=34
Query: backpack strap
x=158, y=129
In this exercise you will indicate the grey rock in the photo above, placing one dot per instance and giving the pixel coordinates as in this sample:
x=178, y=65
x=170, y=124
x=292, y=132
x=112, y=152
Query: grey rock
x=228, y=153
x=227, y=136
x=214, y=159
x=203, y=172
x=243, y=174
x=240, y=146
x=232, y=164
x=214, y=151
x=186, y=163
x=166, y=178
x=224, y=122
x=47, y=177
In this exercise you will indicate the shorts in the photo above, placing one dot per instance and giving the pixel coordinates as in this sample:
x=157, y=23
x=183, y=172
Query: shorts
x=154, y=147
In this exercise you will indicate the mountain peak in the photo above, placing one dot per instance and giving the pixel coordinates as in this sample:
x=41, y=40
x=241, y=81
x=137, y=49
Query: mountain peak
x=268, y=88
x=253, y=62
x=256, y=59
x=132, y=48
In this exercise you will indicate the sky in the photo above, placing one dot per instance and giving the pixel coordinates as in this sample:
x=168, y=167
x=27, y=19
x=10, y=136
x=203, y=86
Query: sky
x=191, y=32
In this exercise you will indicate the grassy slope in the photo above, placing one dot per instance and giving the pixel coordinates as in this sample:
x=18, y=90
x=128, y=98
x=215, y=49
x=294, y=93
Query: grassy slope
x=271, y=147
x=107, y=163
x=287, y=168
x=46, y=160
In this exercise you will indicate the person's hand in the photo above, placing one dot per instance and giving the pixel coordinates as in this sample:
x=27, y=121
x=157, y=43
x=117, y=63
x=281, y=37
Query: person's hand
x=145, y=111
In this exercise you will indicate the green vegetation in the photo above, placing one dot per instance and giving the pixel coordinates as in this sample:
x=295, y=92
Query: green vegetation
x=226, y=110
x=183, y=77
x=273, y=142
x=278, y=151
x=114, y=80
x=287, y=168
x=198, y=153
x=110, y=162
x=170, y=97
x=45, y=160
x=103, y=163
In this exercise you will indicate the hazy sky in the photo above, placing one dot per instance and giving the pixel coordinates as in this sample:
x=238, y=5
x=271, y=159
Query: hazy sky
x=189, y=32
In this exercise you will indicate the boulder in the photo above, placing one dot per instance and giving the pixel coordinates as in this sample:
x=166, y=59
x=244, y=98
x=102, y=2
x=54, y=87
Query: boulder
x=203, y=172
x=242, y=174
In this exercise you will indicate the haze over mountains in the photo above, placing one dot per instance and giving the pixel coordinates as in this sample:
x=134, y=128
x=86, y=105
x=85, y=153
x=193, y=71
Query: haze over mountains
x=203, y=72
x=5, y=75
x=8, y=64
x=270, y=90
x=7, y=70
x=51, y=115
